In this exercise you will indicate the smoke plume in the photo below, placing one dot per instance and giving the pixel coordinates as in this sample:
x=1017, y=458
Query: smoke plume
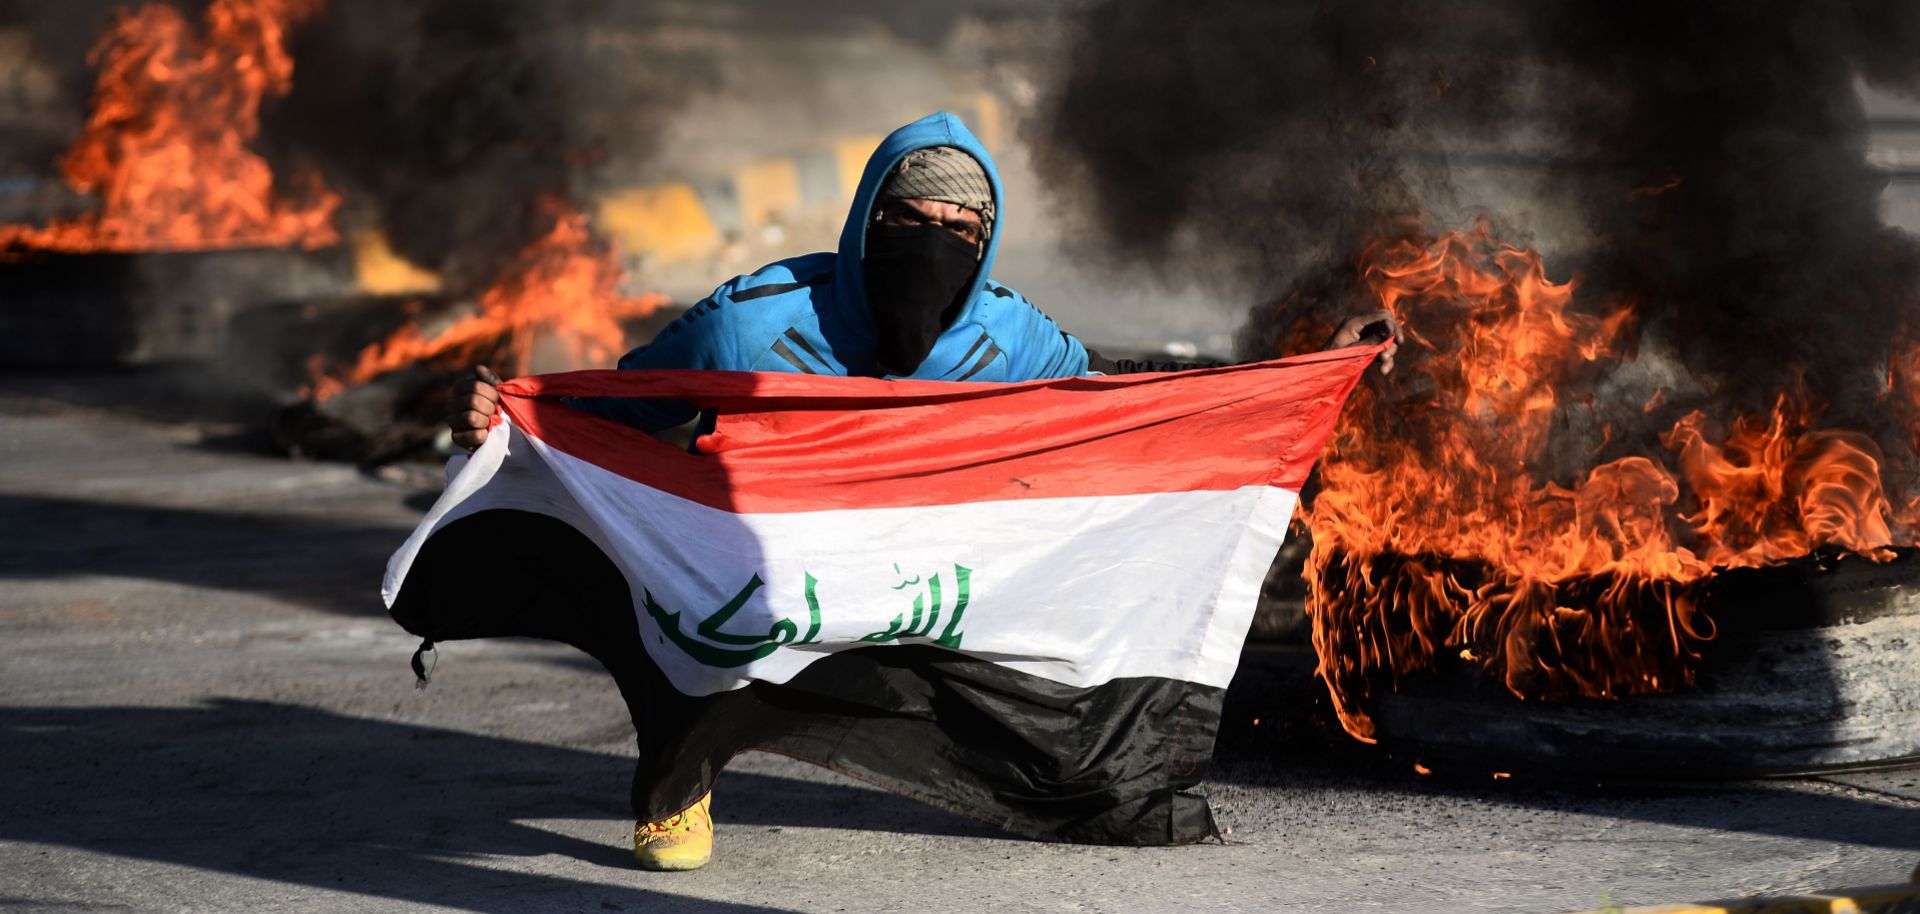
x=453, y=119
x=1702, y=162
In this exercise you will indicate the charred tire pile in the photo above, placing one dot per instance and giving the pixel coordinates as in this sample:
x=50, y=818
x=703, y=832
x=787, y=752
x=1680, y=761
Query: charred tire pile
x=1815, y=667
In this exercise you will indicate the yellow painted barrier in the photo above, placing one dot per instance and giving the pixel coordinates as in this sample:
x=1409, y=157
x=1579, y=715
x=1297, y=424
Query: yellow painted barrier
x=674, y=223
x=667, y=221
x=985, y=118
x=768, y=191
x=852, y=153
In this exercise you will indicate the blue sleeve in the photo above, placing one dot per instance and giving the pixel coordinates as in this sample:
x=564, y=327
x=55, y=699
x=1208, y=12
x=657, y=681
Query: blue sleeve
x=697, y=339
x=1042, y=350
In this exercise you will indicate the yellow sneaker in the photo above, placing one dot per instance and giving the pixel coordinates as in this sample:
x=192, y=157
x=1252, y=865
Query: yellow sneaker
x=682, y=841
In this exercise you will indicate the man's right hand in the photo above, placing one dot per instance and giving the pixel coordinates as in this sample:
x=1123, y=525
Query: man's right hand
x=470, y=411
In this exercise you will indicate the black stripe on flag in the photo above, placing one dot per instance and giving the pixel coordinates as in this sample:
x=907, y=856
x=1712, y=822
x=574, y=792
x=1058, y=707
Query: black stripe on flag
x=1107, y=764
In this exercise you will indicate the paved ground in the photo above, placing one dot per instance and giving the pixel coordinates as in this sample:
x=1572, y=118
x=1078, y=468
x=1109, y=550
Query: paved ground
x=203, y=708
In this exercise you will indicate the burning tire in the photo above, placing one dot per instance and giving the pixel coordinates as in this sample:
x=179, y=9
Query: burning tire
x=1815, y=667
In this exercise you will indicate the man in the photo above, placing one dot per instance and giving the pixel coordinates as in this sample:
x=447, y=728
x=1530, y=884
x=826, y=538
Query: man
x=907, y=295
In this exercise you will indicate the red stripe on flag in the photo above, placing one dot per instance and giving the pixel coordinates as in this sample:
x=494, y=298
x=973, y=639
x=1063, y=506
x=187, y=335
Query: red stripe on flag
x=792, y=442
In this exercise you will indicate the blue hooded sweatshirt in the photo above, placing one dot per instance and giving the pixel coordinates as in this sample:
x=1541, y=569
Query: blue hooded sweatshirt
x=809, y=314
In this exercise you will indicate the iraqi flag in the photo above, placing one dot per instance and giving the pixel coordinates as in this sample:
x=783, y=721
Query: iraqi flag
x=1021, y=602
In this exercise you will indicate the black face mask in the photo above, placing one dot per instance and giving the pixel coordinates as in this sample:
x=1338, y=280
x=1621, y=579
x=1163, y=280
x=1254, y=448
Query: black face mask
x=916, y=275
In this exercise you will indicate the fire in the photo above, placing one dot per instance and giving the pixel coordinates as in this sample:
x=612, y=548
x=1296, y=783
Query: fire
x=1439, y=533
x=165, y=146
x=560, y=295
x=1902, y=397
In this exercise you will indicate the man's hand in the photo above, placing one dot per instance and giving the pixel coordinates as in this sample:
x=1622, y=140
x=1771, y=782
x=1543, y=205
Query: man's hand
x=1365, y=330
x=471, y=409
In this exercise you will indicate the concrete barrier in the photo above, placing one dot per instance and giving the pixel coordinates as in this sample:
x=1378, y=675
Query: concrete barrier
x=690, y=220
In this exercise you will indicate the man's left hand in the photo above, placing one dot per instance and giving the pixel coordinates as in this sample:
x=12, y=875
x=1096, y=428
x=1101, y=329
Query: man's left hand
x=1367, y=329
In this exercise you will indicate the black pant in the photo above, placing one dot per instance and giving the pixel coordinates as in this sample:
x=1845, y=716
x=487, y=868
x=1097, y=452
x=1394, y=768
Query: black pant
x=1109, y=764
x=514, y=573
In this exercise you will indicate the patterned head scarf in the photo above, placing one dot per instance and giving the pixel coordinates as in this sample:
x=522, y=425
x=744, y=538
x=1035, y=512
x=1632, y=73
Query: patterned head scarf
x=945, y=174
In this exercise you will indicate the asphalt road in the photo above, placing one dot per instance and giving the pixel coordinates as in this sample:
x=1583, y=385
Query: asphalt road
x=204, y=708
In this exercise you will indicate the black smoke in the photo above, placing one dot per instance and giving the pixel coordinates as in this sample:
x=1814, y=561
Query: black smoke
x=39, y=125
x=1703, y=161
x=447, y=121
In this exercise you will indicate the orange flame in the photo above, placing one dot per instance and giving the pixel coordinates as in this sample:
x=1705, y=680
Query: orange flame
x=1654, y=190
x=1903, y=396
x=1437, y=536
x=165, y=147
x=561, y=291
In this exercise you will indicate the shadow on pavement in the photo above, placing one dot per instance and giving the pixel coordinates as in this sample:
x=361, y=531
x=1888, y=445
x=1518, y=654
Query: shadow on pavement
x=393, y=810
x=274, y=789
x=1296, y=747
x=327, y=565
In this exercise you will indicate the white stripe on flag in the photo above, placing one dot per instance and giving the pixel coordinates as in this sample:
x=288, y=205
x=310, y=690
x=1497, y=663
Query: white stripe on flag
x=1077, y=590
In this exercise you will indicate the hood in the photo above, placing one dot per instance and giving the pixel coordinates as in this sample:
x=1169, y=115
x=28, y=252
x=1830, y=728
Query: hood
x=850, y=281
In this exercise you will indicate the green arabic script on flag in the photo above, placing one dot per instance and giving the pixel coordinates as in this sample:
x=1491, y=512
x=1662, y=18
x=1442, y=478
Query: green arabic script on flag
x=716, y=647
